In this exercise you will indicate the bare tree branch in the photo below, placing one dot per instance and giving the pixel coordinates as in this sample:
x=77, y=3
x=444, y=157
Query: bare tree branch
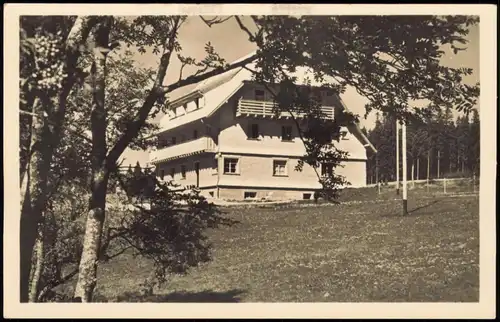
x=118, y=253
x=57, y=282
x=200, y=71
x=216, y=71
x=215, y=20
x=251, y=36
x=180, y=72
x=155, y=93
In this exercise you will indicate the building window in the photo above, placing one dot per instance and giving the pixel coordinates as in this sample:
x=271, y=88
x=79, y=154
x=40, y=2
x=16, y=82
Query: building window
x=259, y=95
x=286, y=133
x=195, y=134
x=174, y=140
x=254, y=131
x=326, y=169
x=162, y=174
x=279, y=168
x=172, y=172
x=183, y=171
x=230, y=166
x=249, y=194
x=306, y=196
x=183, y=138
x=197, y=102
x=161, y=143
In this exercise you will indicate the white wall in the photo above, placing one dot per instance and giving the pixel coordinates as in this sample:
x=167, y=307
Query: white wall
x=207, y=172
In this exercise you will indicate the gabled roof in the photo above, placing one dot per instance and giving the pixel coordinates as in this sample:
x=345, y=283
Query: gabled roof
x=233, y=84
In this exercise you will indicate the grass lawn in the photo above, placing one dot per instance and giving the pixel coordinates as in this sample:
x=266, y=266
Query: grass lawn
x=349, y=252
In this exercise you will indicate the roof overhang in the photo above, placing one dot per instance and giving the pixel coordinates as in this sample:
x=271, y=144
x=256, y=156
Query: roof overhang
x=181, y=156
x=357, y=130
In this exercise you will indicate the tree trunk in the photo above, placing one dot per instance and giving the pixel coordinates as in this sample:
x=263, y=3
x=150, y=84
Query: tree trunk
x=87, y=275
x=37, y=192
x=37, y=269
x=405, y=171
x=418, y=169
x=35, y=198
x=28, y=221
x=397, y=157
x=439, y=164
x=413, y=174
x=34, y=203
x=33, y=128
x=428, y=168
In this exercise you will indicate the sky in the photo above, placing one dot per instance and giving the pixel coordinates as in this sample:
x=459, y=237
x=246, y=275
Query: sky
x=232, y=43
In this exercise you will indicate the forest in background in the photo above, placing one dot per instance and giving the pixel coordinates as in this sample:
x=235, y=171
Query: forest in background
x=438, y=147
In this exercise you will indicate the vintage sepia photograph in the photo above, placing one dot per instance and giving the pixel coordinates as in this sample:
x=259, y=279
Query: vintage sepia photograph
x=289, y=155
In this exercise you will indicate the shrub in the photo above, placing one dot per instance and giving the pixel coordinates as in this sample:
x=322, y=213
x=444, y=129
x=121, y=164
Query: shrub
x=162, y=225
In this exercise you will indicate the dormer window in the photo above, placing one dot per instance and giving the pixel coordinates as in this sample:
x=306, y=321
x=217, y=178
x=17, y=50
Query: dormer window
x=197, y=102
x=259, y=95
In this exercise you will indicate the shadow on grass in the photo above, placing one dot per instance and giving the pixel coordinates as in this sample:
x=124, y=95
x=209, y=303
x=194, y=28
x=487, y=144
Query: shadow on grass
x=423, y=207
x=412, y=212
x=231, y=296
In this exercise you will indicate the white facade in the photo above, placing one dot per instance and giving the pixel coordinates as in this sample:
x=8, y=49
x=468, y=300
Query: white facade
x=223, y=138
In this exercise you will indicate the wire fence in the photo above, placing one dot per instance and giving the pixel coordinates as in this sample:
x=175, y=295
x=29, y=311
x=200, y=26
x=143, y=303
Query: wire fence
x=434, y=186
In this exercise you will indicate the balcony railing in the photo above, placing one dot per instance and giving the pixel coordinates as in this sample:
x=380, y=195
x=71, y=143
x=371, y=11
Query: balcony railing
x=266, y=109
x=202, y=144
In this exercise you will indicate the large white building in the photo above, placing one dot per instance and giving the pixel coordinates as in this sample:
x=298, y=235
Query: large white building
x=223, y=137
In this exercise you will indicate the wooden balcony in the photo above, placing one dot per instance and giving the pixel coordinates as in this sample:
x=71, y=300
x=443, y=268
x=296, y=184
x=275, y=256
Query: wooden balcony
x=200, y=145
x=266, y=109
